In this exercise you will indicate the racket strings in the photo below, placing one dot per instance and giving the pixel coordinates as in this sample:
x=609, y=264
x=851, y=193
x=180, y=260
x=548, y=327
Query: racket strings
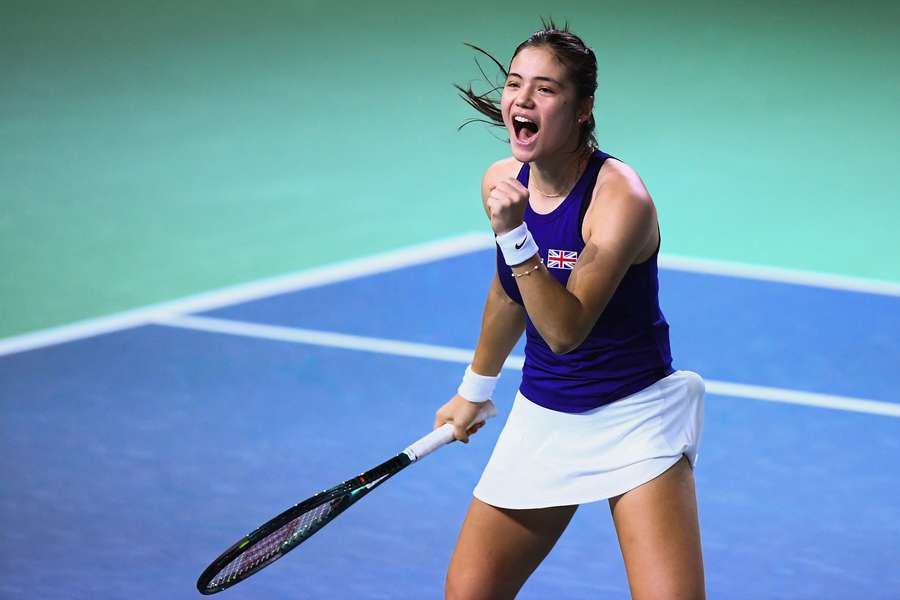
x=289, y=534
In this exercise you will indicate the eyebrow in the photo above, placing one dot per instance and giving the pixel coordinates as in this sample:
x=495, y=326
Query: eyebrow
x=550, y=79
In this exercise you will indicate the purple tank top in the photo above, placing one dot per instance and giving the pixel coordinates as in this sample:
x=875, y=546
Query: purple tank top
x=628, y=347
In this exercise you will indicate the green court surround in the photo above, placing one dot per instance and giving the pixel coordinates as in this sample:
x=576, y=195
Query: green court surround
x=156, y=151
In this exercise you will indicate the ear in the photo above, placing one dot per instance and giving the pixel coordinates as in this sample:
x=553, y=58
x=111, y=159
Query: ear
x=585, y=108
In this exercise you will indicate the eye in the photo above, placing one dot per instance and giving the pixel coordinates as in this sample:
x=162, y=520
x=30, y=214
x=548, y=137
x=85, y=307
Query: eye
x=546, y=90
x=512, y=84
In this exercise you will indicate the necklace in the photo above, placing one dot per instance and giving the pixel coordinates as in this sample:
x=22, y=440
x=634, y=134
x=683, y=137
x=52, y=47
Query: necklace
x=581, y=162
x=545, y=194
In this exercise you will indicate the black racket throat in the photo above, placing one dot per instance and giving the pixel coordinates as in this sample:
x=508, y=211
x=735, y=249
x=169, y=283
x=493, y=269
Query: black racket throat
x=281, y=534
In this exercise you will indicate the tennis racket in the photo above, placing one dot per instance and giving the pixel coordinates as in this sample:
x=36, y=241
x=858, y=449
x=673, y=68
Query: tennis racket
x=278, y=536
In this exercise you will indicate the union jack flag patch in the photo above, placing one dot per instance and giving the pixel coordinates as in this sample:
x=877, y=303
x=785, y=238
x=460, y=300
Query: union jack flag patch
x=561, y=259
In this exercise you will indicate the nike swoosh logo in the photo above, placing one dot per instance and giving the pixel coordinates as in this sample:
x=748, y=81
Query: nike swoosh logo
x=522, y=243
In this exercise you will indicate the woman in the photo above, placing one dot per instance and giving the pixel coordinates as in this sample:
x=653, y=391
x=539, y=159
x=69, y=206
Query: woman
x=600, y=414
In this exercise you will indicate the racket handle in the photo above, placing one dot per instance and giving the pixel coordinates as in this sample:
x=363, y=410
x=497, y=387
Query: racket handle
x=443, y=435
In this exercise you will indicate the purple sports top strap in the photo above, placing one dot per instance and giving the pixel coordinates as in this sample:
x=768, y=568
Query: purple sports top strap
x=628, y=347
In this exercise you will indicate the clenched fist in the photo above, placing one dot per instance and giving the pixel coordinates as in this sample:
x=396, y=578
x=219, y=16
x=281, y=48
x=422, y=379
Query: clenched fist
x=506, y=205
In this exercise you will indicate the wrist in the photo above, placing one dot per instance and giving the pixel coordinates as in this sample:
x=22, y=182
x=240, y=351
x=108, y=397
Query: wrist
x=506, y=229
x=527, y=268
x=477, y=388
x=517, y=245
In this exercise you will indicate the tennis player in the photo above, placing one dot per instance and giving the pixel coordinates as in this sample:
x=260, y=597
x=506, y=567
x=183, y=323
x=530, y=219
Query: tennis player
x=600, y=413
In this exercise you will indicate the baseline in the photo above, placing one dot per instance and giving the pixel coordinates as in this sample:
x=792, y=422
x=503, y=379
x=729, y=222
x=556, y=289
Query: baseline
x=388, y=261
x=392, y=260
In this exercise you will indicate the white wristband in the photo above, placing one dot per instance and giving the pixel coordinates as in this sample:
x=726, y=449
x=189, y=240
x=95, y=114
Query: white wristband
x=475, y=387
x=517, y=245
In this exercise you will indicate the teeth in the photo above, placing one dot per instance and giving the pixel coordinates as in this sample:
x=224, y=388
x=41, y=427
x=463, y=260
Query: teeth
x=522, y=119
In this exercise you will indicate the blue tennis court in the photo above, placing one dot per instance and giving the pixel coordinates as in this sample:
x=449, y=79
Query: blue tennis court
x=134, y=454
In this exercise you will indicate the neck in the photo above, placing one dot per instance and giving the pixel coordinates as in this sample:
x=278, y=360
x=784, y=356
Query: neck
x=557, y=174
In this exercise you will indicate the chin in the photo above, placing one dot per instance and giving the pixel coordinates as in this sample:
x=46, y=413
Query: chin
x=523, y=154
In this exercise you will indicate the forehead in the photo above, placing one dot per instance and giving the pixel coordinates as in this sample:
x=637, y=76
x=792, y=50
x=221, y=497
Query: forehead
x=538, y=62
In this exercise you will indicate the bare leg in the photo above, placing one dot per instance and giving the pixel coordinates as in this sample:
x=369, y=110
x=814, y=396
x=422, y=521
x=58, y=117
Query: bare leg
x=659, y=534
x=499, y=548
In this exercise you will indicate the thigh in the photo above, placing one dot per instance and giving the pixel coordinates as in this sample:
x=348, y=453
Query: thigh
x=499, y=548
x=659, y=534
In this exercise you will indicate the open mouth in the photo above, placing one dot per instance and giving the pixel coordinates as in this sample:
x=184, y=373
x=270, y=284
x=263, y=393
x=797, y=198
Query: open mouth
x=526, y=129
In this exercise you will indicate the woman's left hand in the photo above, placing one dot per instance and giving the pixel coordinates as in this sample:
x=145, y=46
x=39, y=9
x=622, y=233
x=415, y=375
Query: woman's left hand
x=506, y=205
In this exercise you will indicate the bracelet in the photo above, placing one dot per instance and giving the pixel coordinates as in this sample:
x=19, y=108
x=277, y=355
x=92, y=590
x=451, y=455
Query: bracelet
x=517, y=245
x=528, y=272
x=475, y=387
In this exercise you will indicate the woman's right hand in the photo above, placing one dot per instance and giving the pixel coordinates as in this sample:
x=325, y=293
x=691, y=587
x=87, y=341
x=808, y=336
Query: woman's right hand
x=460, y=413
x=506, y=204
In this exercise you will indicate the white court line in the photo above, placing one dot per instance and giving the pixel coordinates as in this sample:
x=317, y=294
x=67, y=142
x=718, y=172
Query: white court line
x=263, y=288
x=464, y=356
x=776, y=274
x=388, y=261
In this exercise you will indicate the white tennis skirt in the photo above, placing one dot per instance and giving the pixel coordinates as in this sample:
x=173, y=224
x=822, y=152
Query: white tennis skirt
x=550, y=458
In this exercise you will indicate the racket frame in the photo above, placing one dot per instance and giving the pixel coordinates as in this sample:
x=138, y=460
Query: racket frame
x=352, y=490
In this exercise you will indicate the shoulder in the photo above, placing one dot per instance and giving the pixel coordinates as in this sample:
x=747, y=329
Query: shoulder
x=619, y=186
x=619, y=190
x=620, y=204
x=500, y=170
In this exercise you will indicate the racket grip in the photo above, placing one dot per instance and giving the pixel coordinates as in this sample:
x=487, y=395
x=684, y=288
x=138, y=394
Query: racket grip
x=443, y=435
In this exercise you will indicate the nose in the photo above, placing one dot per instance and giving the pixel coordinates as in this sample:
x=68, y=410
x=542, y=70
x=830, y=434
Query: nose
x=523, y=98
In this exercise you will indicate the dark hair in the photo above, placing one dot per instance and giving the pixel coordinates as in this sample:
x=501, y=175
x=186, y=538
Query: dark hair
x=569, y=49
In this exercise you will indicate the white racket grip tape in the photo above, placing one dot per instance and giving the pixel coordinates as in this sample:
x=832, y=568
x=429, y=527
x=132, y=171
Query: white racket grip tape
x=443, y=435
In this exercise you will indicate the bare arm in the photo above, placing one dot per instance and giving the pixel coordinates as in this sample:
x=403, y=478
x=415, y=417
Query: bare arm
x=504, y=319
x=501, y=327
x=502, y=324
